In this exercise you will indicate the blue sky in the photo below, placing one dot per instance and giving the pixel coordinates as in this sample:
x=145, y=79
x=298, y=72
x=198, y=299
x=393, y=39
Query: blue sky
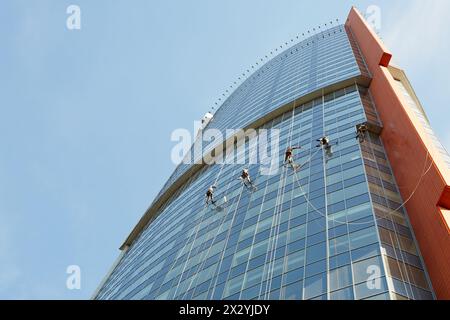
x=86, y=116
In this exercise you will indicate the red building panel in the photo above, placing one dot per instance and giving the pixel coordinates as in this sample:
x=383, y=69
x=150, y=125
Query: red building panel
x=409, y=155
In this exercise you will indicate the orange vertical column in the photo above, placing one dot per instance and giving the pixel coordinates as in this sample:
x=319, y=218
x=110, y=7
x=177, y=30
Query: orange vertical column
x=408, y=154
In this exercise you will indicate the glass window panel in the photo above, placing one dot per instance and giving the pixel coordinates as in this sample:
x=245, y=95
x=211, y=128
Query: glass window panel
x=417, y=277
x=358, y=200
x=353, y=172
x=344, y=294
x=296, y=246
x=241, y=256
x=259, y=248
x=275, y=294
x=316, y=253
x=296, y=260
x=364, y=290
x=335, y=178
x=367, y=269
x=315, y=286
x=316, y=226
x=340, y=260
x=278, y=267
x=356, y=190
x=339, y=245
x=359, y=212
x=297, y=233
x=316, y=268
x=340, y=278
x=234, y=285
x=363, y=238
x=336, y=197
x=420, y=294
x=366, y=252
x=293, y=276
x=250, y=293
x=253, y=277
x=380, y=297
x=293, y=291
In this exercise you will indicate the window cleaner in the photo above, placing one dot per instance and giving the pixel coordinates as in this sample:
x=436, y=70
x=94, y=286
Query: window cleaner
x=245, y=177
x=289, y=159
x=209, y=195
x=361, y=131
x=324, y=142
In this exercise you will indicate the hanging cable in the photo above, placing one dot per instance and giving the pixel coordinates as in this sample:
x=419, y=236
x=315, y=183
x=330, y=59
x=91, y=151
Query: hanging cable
x=268, y=254
x=189, y=252
x=231, y=225
x=215, y=237
x=196, y=233
x=229, y=230
x=275, y=242
x=310, y=158
x=221, y=169
x=207, y=253
x=424, y=173
x=238, y=201
x=376, y=218
x=273, y=238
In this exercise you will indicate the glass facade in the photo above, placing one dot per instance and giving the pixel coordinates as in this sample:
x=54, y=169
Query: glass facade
x=335, y=229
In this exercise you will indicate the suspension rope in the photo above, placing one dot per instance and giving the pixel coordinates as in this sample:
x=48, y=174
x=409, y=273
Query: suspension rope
x=275, y=228
x=292, y=123
x=196, y=233
x=232, y=221
x=223, y=219
x=221, y=169
x=420, y=181
x=400, y=262
x=424, y=173
x=277, y=217
x=376, y=218
x=203, y=259
x=231, y=225
x=278, y=207
x=268, y=254
x=189, y=252
x=310, y=158
x=273, y=237
x=215, y=237
x=275, y=241
x=229, y=230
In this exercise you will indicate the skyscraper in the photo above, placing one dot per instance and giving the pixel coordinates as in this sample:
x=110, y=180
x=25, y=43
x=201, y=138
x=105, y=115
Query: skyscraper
x=366, y=218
